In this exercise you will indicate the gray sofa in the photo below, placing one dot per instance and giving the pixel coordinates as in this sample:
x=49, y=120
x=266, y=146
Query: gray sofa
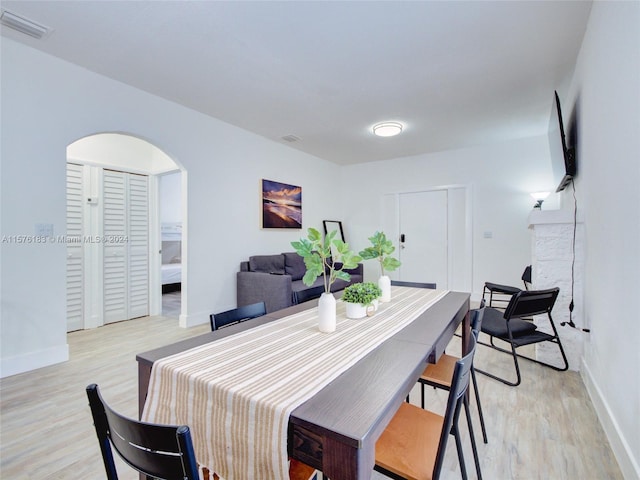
x=276, y=280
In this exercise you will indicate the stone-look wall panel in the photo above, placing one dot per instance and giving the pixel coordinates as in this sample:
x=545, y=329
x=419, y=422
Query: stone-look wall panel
x=552, y=258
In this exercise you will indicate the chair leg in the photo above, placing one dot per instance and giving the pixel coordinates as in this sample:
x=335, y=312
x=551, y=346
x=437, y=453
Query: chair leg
x=472, y=437
x=477, y=394
x=456, y=435
x=564, y=368
x=515, y=356
x=515, y=362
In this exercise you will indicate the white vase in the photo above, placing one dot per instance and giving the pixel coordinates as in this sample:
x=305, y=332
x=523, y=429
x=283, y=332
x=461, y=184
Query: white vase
x=384, y=282
x=327, y=313
x=356, y=310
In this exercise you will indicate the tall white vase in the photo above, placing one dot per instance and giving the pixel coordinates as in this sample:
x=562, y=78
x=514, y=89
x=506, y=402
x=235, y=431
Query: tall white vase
x=384, y=282
x=327, y=313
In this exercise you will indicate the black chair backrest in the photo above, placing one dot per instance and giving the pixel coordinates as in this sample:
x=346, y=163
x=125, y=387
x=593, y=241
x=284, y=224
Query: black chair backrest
x=526, y=277
x=246, y=312
x=477, y=316
x=162, y=451
x=459, y=385
x=400, y=283
x=308, y=294
x=531, y=302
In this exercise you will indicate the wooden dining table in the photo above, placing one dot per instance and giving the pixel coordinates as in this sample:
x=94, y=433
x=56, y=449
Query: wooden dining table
x=335, y=430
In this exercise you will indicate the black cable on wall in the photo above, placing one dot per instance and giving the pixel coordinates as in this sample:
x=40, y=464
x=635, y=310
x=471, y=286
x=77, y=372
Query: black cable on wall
x=573, y=259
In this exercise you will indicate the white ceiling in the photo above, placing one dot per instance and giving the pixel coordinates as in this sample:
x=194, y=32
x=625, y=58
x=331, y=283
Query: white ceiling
x=456, y=73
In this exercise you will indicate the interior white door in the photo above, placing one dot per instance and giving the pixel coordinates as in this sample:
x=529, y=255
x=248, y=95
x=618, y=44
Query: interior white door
x=74, y=241
x=126, y=246
x=138, y=236
x=115, y=273
x=423, y=219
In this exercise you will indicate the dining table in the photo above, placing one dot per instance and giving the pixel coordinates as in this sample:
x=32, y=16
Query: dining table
x=334, y=427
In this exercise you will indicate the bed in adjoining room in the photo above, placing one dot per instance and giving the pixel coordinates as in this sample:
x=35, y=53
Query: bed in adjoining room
x=171, y=257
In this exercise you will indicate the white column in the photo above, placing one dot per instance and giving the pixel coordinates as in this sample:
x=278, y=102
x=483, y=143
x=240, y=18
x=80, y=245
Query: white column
x=553, y=260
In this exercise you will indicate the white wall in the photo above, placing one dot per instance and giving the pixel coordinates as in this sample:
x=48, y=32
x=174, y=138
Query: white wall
x=170, y=197
x=119, y=151
x=500, y=179
x=46, y=105
x=606, y=90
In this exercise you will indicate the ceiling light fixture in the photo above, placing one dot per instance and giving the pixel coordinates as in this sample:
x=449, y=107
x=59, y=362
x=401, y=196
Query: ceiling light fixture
x=387, y=129
x=24, y=25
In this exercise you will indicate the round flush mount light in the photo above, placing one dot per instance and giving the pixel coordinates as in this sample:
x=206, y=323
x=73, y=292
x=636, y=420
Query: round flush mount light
x=387, y=129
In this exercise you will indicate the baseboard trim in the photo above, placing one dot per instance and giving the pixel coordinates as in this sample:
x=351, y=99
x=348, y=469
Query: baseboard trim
x=621, y=449
x=187, y=321
x=33, y=360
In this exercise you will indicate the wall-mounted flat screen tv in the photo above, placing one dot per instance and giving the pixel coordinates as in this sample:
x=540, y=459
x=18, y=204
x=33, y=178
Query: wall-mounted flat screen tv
x=563, y=156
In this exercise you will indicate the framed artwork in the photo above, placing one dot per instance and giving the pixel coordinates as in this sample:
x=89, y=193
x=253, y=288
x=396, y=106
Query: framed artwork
x=281, y=205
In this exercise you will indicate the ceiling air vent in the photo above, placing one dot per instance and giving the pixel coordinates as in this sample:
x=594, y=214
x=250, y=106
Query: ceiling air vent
x=290, y=138
x=24, y=25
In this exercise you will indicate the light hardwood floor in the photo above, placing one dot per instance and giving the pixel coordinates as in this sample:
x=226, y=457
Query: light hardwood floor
x=544, y=429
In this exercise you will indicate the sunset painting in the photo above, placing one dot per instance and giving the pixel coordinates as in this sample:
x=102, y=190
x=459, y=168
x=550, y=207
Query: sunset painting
x=281, y=205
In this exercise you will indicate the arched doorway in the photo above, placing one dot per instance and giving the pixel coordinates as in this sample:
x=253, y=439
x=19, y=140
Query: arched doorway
x=114, y=229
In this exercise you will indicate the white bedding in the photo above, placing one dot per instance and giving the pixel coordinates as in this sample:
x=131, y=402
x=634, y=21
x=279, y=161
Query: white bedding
x=171, y=273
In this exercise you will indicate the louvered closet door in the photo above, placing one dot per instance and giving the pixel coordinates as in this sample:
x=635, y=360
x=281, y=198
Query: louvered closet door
x=126, y=246
x=138, y=246
x=115, y=252
x=75, y=259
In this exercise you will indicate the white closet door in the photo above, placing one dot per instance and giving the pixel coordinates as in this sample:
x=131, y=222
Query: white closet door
x=115, y=252
x=126, y=246
x=75, y=260
x=138, y=232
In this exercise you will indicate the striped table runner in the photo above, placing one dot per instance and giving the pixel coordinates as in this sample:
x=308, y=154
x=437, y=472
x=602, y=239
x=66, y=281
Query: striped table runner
x=237, y=393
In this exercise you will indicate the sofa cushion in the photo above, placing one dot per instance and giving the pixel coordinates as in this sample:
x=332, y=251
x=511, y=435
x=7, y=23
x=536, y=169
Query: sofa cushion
x=294, y=265
x=298, y=286
x=267, y=264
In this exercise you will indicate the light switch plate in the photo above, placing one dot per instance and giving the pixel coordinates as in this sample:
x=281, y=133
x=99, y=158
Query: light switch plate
x=44, y=229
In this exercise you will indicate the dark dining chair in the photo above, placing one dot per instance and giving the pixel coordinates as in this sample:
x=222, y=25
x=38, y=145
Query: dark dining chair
x=414, y=443
x=157, y=451
x=515, y=326
x=236, y=315
x=502, y=293
x=440, y=374
x=400, y=283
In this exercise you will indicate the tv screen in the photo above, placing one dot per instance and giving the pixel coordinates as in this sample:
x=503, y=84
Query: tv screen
x=563, y=161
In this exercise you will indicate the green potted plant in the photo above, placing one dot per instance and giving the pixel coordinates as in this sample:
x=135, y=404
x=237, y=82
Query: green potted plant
x=329, y=257
x=361, y=299
x=381, y=248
